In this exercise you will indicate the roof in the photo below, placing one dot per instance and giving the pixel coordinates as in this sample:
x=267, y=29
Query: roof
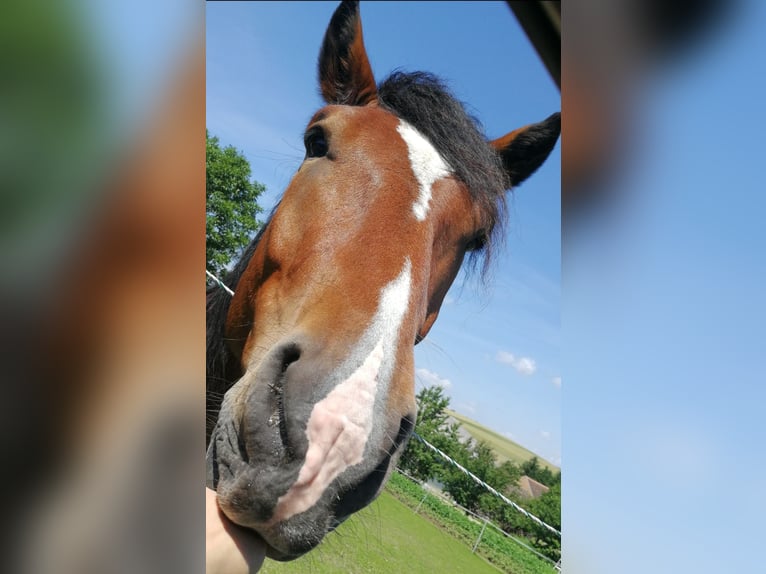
x=530, y=488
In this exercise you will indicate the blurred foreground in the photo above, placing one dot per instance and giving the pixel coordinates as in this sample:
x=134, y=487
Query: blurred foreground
x=102, y=294
x=663, y=281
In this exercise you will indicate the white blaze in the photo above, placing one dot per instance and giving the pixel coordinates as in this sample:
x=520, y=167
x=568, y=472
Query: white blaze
x=340, y=424
x=427, y=165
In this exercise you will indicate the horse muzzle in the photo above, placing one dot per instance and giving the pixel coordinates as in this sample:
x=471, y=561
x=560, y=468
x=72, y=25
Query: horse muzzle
x=298, y=446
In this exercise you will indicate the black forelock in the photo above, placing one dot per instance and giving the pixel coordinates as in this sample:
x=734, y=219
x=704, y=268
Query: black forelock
x=425, y=102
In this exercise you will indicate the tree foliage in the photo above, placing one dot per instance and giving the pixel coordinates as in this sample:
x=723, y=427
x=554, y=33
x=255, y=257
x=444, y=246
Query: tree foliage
x=480, y=460
x=433, y=425
x=542, y=474
x=548, y=509
x=231, y=203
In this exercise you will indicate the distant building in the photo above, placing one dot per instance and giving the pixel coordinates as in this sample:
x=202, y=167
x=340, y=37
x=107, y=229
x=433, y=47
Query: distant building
x=529, y=488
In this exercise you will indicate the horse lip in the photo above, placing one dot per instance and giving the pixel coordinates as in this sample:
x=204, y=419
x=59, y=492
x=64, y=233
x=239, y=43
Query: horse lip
x=366, y=491
x=274, y=554
x=225, y=456
x=280, y=548
x=271, y=552
x=280, y=556
x=212, y=473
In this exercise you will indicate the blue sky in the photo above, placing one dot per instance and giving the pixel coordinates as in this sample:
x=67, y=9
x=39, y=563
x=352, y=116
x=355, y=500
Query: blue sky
x=496, y=349
x=663, y=321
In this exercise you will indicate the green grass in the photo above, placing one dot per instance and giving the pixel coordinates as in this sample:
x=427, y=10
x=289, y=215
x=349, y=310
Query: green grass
x=504, y=553
x=504, y=448
x=389, y=537
x=386, y=537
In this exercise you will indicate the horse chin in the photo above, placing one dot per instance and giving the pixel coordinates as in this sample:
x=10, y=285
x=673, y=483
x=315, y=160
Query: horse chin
x=289, y=541
x=295, y=536
x=280, y=556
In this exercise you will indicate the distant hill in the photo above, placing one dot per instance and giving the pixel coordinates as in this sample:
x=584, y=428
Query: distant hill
x=504, y=448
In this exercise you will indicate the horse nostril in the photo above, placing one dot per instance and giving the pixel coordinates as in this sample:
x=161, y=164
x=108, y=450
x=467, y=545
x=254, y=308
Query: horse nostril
x=290, y=354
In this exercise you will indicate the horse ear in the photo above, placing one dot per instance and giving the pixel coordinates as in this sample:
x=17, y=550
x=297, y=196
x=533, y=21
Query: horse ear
x=345, y=75
x=525, y=149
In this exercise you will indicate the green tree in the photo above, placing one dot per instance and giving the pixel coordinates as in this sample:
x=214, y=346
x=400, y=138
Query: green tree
x=531, y=467
x=480, y=460
x=509, y=472
x=513, y=521
x=548, y=509
x=231, y=203
x=542, y=474
x=433, y=425
x=503, y=477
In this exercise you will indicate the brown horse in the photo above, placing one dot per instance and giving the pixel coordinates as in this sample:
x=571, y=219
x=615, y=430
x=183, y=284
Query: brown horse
x=310, y=363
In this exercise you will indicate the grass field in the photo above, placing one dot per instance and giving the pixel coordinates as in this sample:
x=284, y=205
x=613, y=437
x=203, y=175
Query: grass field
x=389, y=537
x=386, y=537
x=504, y=448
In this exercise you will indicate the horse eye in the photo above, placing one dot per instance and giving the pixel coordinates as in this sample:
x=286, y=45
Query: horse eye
x=316, y=143
x=477, y=242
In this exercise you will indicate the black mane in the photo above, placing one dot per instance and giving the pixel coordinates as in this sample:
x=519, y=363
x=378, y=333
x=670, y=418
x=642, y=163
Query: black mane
x=222, y=368
x=422, y=100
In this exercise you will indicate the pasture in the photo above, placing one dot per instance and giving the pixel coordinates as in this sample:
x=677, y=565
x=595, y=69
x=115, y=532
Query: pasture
x=389, y=536
x=385, y=537
x=503, y=447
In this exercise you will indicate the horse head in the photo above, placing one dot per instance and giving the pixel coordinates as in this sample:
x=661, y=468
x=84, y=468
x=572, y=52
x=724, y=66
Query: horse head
x=397, y=186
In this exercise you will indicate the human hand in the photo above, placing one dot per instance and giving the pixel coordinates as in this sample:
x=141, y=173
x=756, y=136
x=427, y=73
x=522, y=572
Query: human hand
x=229, y=549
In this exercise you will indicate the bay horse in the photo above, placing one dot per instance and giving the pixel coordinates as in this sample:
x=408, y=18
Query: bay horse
x=310, y=364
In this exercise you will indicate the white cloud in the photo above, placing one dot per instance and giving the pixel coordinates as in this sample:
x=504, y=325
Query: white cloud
x=449, y=300
x=556, y=381
x=429, y=379
x=524, y=365
x=545, y=434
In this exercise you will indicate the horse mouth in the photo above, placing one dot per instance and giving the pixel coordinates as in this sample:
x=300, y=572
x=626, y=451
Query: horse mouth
x=281, y=465
x=297, y=535
x=239, y=483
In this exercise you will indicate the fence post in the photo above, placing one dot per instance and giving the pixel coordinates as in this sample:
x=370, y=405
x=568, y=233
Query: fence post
x=421, y=502
x=475, y=546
